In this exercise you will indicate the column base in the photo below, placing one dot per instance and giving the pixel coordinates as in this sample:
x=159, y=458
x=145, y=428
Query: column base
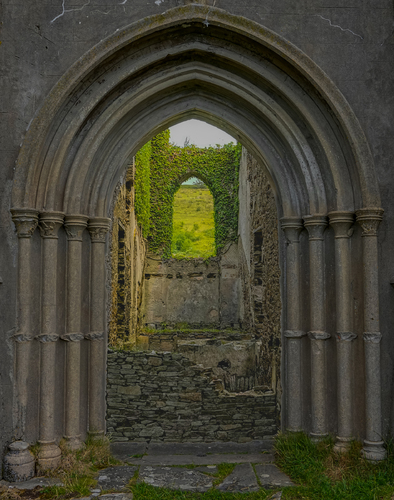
x=96, y=435
x=49, y=455
x=293, y=431
x=73, y=443
x=317, y=437
x=374, y=451
x=342, y=444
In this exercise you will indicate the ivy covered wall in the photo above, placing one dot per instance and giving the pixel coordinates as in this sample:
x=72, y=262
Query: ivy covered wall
x=169, y=166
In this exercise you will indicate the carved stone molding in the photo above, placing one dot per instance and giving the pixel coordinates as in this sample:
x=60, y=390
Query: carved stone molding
x=98, y=228
x=20, y=337
x=345, y=336
x=318, y=335
x=47, y=337
x=342, y=222
x=316, y=225
x=74, y=226
x=72, y=337
x=50, y=223
x=369, y=220
x=292, y=227
x=294, y=334
x=25, y=220
x=372, y=337
x=94, y=336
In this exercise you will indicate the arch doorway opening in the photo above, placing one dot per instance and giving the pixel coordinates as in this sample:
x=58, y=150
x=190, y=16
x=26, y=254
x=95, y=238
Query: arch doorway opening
x=203, y=316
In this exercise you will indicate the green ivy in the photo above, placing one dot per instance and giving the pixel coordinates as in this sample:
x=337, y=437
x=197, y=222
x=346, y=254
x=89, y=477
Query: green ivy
x=170, y=166
x=142, y=187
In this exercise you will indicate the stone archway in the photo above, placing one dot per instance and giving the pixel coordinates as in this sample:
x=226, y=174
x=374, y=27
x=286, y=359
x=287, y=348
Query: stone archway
x=193, y=61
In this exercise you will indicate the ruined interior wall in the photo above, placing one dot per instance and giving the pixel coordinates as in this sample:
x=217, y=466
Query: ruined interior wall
x=166, y=397
x=193, y=292
x=128, y=252
x=259, y=243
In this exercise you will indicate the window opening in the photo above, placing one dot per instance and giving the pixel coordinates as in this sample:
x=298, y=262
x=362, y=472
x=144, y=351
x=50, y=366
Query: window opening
x=193, y=221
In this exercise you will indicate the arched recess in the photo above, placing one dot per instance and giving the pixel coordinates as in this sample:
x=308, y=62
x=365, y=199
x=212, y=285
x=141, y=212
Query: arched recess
x=201, y=62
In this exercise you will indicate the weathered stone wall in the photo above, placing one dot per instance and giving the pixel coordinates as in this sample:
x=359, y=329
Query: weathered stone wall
x=194, y=292
x=166, y=397
x=128, y=251
x=259, y=250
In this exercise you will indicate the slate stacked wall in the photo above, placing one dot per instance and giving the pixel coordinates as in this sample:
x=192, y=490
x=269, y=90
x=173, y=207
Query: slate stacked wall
x=165, y=397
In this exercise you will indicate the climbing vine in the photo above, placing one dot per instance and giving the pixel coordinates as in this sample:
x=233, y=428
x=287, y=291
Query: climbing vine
x=142, y=187
x=170, y=166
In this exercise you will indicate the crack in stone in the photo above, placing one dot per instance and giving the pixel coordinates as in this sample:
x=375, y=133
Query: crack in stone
x=69, y=10
x=340, y=27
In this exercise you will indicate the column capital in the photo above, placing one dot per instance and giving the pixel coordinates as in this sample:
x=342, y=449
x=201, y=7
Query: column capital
x=292, y=227
x=50, y=223
x=342, y=222
x=75, y=225
x=25, y=220
x=316, y=225
x=369, y=220
x=98, y=228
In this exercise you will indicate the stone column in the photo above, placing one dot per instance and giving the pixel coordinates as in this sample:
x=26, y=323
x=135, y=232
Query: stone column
x=369, y=219
x=26, y=221
x=98, y=228
x=74, y=226
x=341, y=223
x=292, y=227
x=49, y=454
x=316, y=225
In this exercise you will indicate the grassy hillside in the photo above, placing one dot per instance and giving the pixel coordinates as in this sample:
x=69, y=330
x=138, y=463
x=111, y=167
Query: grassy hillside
x=193, y=223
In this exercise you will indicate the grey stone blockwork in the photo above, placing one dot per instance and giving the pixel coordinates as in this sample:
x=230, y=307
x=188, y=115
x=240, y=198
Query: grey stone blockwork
x=165, y=397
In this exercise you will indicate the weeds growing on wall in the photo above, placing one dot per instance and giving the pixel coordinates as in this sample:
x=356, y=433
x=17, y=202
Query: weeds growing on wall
x=142, y=187
x=171, y=165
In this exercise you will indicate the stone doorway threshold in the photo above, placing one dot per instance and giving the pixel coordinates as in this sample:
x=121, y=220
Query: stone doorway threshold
x=168, y=465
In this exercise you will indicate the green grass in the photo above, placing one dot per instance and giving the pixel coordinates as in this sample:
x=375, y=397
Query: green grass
x=323, y=474
x=143, y=491
x=193, y=224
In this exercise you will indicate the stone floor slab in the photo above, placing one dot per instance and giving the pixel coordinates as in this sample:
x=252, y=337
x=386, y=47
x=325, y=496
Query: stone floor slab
x=123, y=451
x=271, y=477
x=42, y=482
x=208, y=448
x=242, y=480
x=115, y=478
x=203, y=460
x=175, y=478
x=207, y=469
